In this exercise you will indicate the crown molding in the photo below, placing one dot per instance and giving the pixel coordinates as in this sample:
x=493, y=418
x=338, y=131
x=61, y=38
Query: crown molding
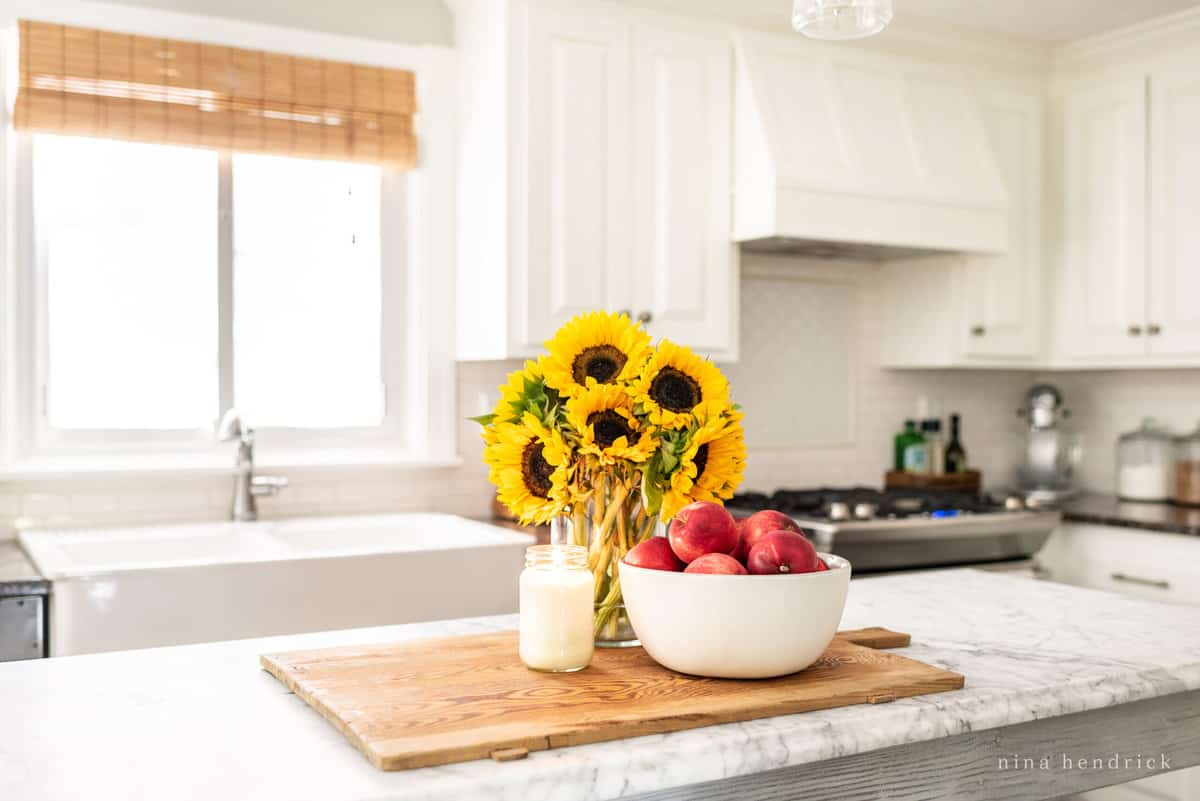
x=1142, y=40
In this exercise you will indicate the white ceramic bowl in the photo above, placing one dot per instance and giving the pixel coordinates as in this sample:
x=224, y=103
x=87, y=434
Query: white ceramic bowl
x=736, y=627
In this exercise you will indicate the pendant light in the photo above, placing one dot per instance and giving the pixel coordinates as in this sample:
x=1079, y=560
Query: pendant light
x=841, y=19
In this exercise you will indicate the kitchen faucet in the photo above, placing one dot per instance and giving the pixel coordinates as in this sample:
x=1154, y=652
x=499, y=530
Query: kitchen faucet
x=246, y=486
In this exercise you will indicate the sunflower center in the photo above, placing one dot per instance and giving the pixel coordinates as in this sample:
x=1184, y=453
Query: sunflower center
x=675, y=390
x=601, y=362
x=535, y=470
x=701, y=459
x=609, y=426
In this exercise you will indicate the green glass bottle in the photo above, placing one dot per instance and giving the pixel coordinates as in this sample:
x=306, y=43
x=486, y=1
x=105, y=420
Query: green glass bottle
x=908, y=436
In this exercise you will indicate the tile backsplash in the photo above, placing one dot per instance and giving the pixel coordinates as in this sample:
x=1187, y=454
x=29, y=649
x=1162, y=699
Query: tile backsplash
x=799, y=330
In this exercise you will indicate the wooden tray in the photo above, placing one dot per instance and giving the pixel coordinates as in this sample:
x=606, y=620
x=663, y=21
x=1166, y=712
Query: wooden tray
x=433, y=702
x=970, y=481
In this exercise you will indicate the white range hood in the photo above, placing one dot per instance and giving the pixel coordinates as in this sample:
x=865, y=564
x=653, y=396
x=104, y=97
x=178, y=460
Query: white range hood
x=839, y=151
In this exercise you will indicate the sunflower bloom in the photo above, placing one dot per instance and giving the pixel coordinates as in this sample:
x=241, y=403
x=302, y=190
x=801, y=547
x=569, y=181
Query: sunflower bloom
x=675, y=383
x=711, y=467
x=608, y=430
x=529, y=464
x=607, y=348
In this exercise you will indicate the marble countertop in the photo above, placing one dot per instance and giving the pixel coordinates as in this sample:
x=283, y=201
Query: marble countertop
x=204, y=721
x=17, y=574
x=1109, y=510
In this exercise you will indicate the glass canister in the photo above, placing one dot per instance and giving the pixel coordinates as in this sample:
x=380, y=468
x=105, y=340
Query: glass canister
x=556, y=609
x=1145, y=463
x=1187, y=469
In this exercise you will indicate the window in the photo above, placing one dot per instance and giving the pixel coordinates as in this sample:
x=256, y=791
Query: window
x=175, y=283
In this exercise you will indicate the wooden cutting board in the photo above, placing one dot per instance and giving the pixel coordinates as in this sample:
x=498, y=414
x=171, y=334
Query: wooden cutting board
x=433, y=702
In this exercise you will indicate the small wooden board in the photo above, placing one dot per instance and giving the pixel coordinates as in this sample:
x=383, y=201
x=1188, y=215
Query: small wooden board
x=432, y=702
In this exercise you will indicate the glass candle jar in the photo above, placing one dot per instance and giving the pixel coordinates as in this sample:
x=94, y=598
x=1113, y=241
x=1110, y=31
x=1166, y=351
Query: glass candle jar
x=556, y=609
x=1145, y=463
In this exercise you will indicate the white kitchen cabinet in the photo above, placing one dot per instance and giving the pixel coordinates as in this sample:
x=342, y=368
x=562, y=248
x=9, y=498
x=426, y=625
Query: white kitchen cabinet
x=684, y=283
x=976, y=310
x=577, y=177
x=1173, y=286
x=1131, y=198
x=595, y=174
x=1101, y=291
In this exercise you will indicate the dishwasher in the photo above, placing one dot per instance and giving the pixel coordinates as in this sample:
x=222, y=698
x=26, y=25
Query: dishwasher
x=22, y=627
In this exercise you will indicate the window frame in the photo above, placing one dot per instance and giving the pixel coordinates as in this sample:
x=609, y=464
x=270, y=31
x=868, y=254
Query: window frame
x=417, y=235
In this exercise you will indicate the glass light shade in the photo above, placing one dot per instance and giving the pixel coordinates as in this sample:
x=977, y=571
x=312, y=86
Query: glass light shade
x=841, y=19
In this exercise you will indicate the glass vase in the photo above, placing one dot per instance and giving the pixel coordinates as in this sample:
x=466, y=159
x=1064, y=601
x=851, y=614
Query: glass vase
x=609, y=522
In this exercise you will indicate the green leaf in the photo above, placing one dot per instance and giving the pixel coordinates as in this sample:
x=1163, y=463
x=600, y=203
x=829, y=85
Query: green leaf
x=651, y=493
x=484, y=419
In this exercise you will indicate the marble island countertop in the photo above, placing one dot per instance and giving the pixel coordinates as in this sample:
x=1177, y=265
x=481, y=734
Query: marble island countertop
x=203, y=722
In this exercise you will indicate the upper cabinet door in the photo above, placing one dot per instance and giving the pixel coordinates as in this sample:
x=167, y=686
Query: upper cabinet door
x=578, y=230
x=1003, y=315
x=1101, y=302
x=684, y=281
x=1173, y=320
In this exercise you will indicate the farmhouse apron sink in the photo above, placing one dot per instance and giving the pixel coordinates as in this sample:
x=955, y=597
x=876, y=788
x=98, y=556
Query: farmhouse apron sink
x=115, y=589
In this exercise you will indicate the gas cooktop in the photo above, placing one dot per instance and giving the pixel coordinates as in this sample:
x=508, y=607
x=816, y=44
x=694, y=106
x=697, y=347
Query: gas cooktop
x=880, y=530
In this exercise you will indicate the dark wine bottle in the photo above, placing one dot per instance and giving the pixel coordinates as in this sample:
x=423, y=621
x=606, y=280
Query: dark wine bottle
x=956, y=455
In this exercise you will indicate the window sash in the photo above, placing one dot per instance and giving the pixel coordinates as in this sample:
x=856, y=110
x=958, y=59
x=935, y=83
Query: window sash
x=390, y=434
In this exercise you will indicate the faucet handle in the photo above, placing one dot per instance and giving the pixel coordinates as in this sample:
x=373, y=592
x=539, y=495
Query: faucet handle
x=267, y=485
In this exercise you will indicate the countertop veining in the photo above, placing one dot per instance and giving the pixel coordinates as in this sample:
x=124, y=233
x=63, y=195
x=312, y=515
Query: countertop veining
x=204, y=721
x=1108, y=510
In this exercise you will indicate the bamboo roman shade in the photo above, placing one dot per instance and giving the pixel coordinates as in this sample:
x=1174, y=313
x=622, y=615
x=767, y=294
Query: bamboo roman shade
x=86, y=82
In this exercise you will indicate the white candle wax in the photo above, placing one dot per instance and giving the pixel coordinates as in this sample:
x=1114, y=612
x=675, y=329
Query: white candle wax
x=556, y=611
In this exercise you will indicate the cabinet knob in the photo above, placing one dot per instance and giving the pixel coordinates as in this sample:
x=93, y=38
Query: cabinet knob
x=1154, y=329
x=1135, y=330
x=978, y=330
x=645, y=317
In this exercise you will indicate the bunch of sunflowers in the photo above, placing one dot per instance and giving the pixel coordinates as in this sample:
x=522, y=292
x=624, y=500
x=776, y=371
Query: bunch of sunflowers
x=614, y=435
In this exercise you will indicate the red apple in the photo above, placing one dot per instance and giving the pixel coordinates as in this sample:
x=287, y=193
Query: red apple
x=764, y=522
x=716, y=563
x=701, y=528
x=654, y=554
x=821, y=566
x=783, y=552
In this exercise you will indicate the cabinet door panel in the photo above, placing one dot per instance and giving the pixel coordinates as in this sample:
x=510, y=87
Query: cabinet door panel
x=1174, y=280
x=683, y=275
x=1102, y=293
x=1003, y=318
x=579, y=218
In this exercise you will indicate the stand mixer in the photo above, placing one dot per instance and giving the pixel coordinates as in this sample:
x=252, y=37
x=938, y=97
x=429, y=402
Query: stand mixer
x=1046, y=477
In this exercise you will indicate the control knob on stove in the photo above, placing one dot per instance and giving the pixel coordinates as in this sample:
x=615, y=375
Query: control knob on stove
x=839, y=511
x=864, y=511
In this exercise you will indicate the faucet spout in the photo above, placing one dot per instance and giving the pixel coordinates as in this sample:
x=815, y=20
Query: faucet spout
x=246, y=486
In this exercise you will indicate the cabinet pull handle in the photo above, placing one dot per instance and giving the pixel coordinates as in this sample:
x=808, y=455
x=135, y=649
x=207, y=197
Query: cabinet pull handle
x=1135, y=330
x=1145, y=582
x=1154, y=329
x=645, y=317
x=978, y=330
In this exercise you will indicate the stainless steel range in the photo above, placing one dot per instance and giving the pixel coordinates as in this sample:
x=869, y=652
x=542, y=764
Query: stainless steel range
x=908, y=529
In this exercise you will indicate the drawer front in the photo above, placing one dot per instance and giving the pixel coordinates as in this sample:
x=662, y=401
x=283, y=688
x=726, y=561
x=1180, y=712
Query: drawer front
x=22, y=628
x=1141, y=564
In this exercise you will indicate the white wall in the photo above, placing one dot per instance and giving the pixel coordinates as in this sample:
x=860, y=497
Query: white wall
x=402, y=21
